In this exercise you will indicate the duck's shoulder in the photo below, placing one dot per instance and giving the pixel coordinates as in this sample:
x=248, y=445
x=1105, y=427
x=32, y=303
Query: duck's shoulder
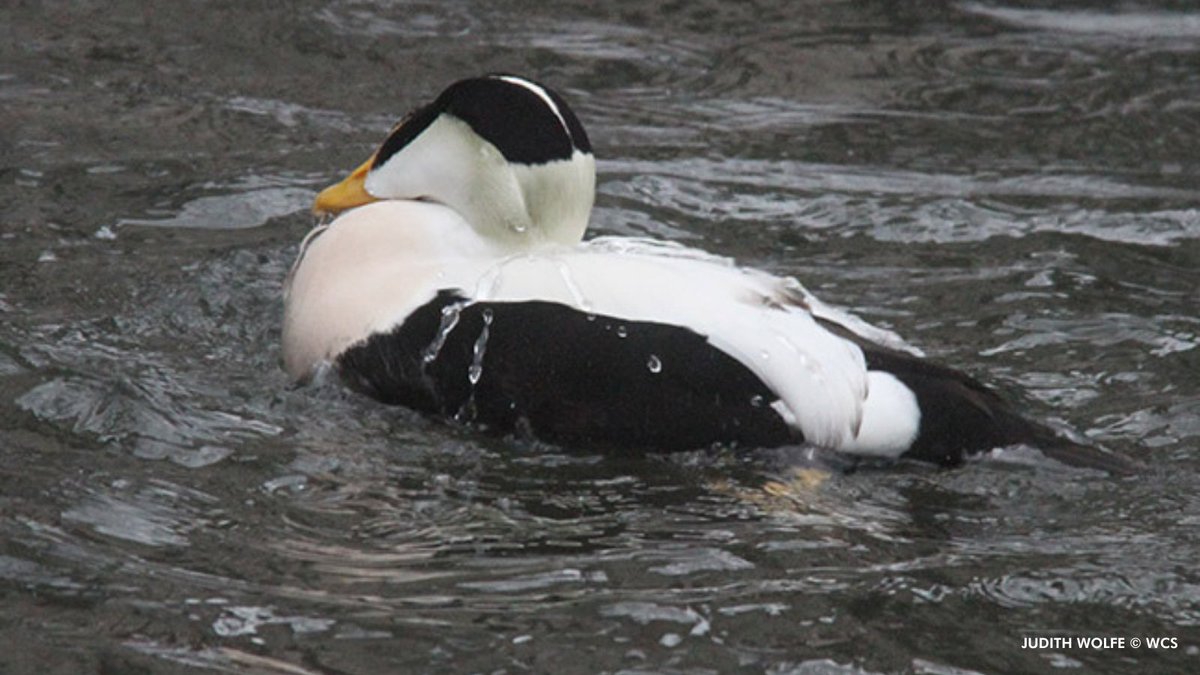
x=365, y=271
x=772, y=291
x=404, y=228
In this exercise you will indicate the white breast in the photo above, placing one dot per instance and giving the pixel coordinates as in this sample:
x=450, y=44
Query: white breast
x=368, y=270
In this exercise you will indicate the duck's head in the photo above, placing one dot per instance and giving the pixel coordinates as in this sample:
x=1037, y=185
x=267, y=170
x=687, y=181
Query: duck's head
x=504, y=152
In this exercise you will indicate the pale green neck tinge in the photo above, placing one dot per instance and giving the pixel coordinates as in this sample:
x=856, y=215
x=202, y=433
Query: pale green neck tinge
x=516, y=205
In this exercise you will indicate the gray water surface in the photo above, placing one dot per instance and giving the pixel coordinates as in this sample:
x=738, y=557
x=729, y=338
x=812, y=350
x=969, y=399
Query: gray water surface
x=1014, y=187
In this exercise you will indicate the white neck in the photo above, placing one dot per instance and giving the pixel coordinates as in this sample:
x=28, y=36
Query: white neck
x=558, y=197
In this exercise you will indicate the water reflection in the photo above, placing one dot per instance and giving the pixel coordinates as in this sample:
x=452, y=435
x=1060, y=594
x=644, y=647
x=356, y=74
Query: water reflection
x=1011, y=188
x=156, y=515
x=254, y=202
x=1155, y=25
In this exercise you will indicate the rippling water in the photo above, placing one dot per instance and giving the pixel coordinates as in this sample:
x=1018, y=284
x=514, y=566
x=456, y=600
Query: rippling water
x=1012, y=186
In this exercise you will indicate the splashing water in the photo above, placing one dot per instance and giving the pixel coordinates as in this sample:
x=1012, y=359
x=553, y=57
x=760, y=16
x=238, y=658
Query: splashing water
x=581, y=302
x=475, y=370
x=450, y=316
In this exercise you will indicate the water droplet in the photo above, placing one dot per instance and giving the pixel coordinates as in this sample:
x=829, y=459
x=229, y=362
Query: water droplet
x=756, y=401
x=569, y=280
x=654, y=364
x=591, y=317
x=766, y=356
x=449, y=321
x=622, y=331
x=475, y=370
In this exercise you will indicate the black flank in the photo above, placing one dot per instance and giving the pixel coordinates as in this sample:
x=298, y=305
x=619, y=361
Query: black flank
x=570, y=377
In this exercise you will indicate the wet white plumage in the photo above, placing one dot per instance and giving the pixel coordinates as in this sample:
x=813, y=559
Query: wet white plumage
x=448, y=212
x=376, y=264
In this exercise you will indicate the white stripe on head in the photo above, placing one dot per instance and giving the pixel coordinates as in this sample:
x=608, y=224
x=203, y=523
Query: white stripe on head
x=536, y=89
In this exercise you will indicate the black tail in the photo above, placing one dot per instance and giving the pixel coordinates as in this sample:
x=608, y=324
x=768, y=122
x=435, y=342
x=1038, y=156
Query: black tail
x=1062, y=450
x=961, y=417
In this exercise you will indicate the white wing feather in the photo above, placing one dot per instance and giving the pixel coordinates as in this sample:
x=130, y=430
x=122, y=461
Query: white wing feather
x=820, y=378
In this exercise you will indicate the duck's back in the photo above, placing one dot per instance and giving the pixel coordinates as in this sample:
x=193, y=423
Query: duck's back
x=617, y=341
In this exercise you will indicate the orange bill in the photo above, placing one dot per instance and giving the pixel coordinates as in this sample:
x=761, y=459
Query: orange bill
x=347, y=194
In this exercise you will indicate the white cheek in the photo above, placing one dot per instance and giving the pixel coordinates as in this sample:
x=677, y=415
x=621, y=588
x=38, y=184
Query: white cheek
x=433, y=165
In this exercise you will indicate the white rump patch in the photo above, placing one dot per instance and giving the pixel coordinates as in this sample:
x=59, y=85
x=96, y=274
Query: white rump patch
x=891, y=418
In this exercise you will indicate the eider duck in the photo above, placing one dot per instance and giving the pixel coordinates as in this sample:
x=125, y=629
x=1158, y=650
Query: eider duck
x=455, y=281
